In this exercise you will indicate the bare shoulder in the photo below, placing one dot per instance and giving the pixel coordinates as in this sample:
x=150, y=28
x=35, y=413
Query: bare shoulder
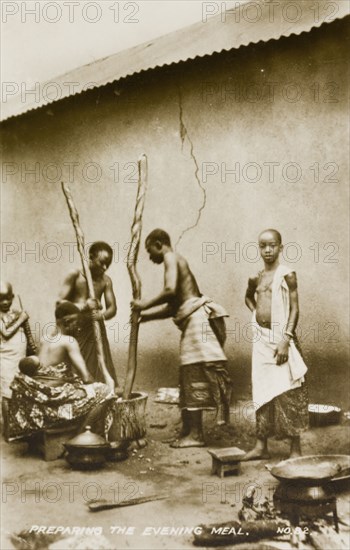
x=171, y=258
x=72, y=275
x=107, y=281
x=180, y=260
x=291, y=280
x=69, y=342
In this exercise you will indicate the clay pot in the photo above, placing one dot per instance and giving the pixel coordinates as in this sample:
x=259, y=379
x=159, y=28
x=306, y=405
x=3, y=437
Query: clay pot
x=87, y=451
x=117, y=451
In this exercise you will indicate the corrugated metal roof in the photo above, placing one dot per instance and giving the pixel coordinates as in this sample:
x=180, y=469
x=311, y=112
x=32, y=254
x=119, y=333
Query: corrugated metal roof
x=248, y=23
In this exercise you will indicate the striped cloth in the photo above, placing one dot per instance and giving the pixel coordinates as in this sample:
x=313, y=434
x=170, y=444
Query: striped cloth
x=198, y=342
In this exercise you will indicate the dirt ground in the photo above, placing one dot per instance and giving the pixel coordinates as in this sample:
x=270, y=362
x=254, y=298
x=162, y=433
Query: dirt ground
x=38, y=493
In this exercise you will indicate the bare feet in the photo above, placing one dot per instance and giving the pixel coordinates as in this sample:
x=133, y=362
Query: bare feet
x=259, y=452
x=186, y=442
x=256, y=455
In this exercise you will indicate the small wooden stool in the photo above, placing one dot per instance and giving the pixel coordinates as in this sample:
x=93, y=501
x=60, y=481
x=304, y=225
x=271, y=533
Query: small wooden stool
x=226, y=460
x=49, y=443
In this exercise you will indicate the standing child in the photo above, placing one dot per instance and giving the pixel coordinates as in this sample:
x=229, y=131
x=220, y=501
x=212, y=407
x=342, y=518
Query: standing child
x=13, y=342
x=279, y=388
x=75, y=290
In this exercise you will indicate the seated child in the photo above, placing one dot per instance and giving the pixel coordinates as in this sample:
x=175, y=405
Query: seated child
x=56, y=387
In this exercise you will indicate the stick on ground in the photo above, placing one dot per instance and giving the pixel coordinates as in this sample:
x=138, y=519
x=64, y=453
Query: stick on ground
x=98, y=505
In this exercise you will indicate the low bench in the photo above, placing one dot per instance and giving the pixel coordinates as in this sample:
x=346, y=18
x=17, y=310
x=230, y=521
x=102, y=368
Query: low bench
x=47, y=443
x=226, y=461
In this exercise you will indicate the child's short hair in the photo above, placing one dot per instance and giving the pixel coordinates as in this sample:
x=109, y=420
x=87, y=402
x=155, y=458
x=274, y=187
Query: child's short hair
x=100, y=246
x=64, y=309
x=29, y=365
x=159, y=235
x=6, y=289
x=277, y=234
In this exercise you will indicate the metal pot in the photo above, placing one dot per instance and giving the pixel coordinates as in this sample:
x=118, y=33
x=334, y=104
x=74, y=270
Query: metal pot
x=313, y=470
x=87, y=451
x=117, y=451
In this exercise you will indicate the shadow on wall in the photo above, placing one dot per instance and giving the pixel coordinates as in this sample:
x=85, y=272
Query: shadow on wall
x=158, y=369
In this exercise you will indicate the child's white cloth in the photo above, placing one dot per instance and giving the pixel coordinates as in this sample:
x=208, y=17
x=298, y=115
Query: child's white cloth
x=269, y=379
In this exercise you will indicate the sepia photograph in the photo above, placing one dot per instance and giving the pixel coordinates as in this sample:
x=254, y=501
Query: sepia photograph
x=174, y=293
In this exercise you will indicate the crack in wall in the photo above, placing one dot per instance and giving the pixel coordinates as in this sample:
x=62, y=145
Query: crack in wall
x=183, y=135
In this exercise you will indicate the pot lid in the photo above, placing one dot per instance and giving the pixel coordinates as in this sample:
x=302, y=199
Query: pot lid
x=87, y=439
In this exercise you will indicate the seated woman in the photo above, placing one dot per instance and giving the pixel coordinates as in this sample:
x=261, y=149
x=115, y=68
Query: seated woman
x=56, y=388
